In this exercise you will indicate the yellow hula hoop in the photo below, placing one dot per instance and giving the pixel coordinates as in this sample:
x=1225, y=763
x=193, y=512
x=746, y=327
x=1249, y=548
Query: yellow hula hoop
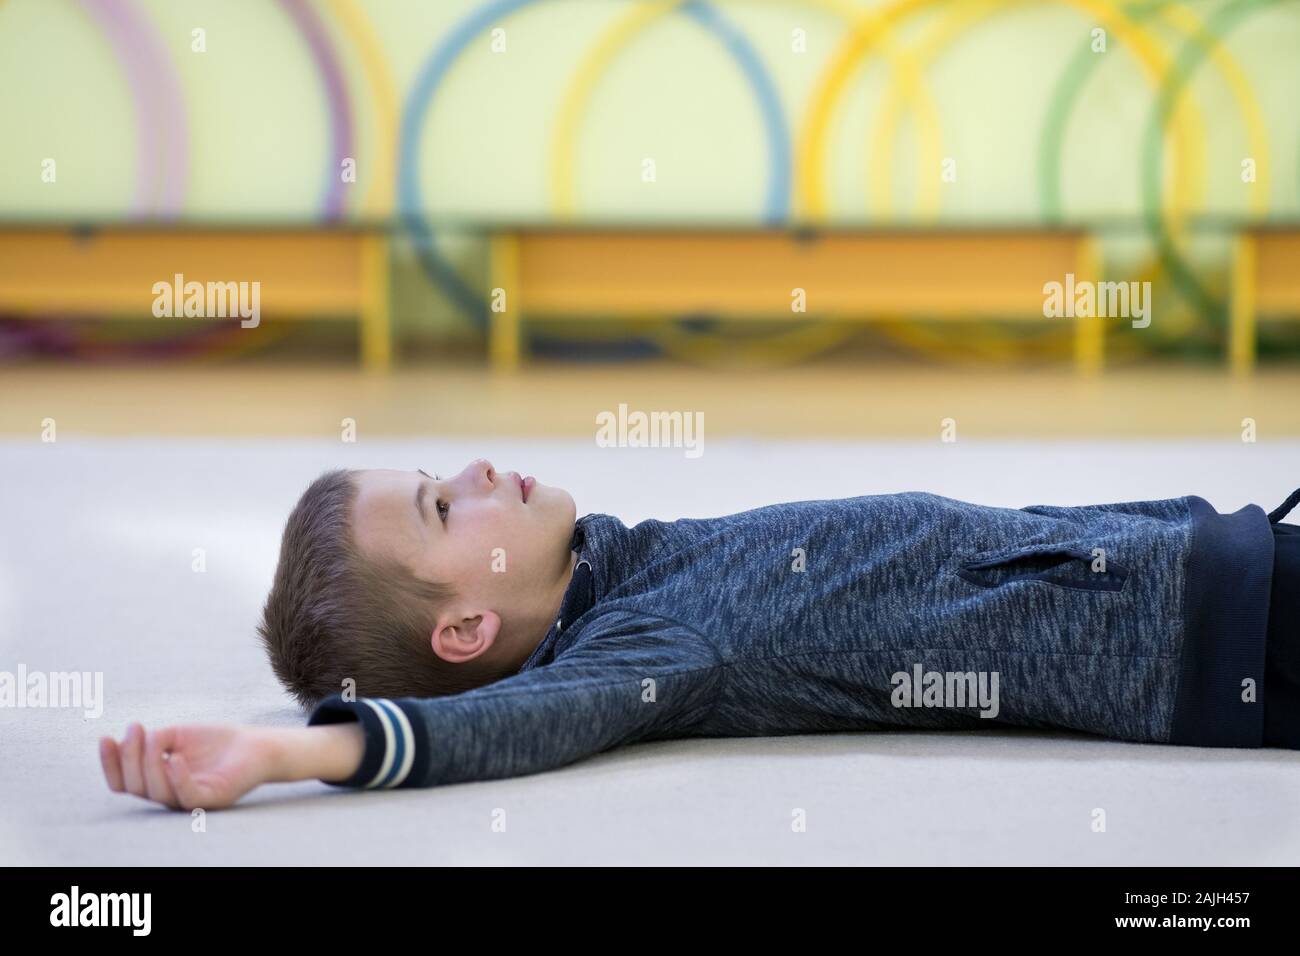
x=953, y=22
x=584, y=80
x=1180, y=17
x=863, y=37
x=908, y=73
x=880, y=175
x=378, y=200
x=1247, y=105
x=866, y=33
x=1188, y=24
x=779, y=349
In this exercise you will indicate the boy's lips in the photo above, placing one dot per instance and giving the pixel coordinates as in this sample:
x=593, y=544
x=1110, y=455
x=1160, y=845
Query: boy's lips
x=525, y=484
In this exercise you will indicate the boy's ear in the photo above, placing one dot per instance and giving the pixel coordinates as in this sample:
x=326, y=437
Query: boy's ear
x=460, y=639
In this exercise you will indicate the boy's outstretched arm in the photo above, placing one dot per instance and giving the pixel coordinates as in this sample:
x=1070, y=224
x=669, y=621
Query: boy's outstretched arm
x=191, y=766
x=628, y=677
x=632, y=677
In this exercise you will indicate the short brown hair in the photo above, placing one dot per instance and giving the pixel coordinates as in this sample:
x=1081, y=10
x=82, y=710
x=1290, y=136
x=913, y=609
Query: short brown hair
x=334, y=613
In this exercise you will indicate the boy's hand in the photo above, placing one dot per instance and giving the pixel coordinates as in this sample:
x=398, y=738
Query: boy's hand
x=213, y=766
x=189, y=766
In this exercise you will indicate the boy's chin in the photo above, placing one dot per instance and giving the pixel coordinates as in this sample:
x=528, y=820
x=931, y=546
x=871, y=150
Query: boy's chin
x=553, y=499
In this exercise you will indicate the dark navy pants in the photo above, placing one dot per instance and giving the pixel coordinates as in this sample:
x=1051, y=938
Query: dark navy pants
x=1282, y=649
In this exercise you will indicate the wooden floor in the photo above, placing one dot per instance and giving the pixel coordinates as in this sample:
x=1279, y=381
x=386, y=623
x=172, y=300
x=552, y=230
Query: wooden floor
x=827, y=399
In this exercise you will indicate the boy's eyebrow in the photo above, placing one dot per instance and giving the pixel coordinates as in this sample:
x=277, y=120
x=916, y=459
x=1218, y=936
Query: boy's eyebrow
x=419, y=497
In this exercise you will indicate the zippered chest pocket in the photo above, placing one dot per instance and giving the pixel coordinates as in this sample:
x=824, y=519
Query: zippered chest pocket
x=1062, y=565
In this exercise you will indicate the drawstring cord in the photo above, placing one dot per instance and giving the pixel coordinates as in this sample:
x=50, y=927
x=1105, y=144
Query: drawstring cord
x=1281, y=511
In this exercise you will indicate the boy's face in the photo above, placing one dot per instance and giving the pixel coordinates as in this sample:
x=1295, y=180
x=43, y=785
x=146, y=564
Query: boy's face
x=506, y=558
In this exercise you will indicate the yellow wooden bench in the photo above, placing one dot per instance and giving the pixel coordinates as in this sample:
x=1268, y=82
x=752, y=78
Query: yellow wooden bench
x=1265, y=281
x=860, y=276
x=304, y=272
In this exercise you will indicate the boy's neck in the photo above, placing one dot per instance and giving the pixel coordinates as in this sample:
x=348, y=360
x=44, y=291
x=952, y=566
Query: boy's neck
x=552, y=606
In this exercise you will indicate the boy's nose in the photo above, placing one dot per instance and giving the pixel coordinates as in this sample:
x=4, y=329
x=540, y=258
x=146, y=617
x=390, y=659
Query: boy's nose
x=482, y=468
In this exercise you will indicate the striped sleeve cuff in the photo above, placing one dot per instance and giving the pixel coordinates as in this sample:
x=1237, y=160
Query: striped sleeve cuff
x=395, y=753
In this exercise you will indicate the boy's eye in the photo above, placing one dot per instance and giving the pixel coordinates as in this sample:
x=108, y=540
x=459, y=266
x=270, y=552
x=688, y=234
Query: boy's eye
x=442, y=505
x=444, y=509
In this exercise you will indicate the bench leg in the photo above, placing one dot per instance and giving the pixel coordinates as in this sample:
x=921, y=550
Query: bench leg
x=1241, y=317
x=504, y=332
x=1090, y=331
x=376, y=318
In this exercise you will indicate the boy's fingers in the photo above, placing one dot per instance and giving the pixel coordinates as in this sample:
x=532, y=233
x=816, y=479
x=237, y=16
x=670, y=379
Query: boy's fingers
x=111, y=761
x=155, y=776
x=132, y=760
x=178, y=774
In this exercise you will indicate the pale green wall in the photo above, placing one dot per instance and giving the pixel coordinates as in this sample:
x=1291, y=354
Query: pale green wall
x=259, y=131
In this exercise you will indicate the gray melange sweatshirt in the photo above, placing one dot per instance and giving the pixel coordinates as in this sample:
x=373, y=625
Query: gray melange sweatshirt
x=1141, y=621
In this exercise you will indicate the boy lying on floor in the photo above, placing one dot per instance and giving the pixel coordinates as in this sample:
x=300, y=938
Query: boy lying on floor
x=467, y=628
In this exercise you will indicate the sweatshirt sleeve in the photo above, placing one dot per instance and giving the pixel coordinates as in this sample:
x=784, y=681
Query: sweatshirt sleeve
x=627, y=677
